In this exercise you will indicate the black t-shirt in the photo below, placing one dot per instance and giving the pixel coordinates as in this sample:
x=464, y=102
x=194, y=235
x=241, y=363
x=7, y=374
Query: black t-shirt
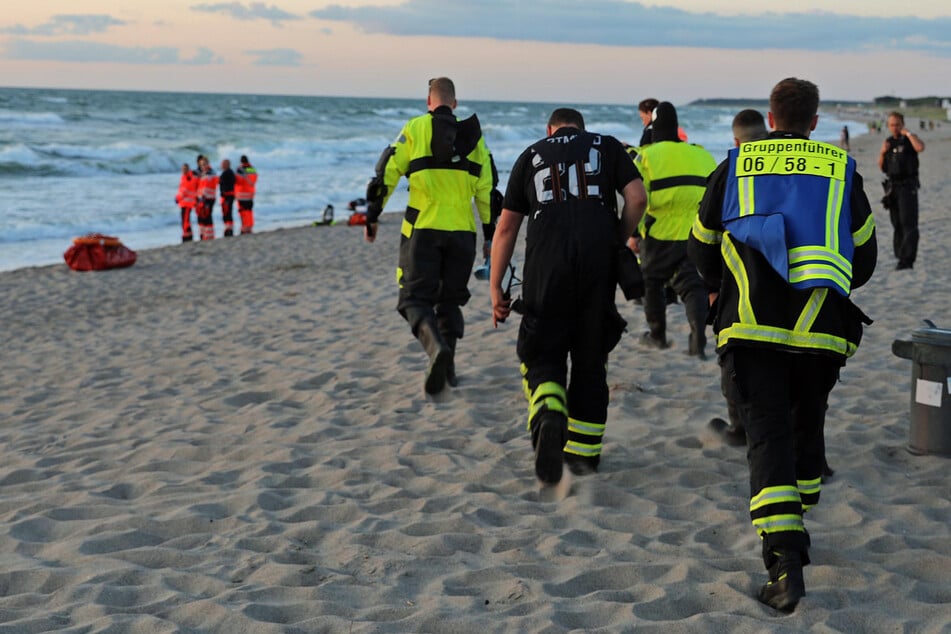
x=901, y=160
x=226, y=181
x=606, y=170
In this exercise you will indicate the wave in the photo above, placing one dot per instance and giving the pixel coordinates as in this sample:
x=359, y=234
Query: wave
x=24, y=119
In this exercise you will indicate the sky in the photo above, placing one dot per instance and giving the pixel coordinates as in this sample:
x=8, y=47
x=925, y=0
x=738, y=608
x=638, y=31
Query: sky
x=572, y=51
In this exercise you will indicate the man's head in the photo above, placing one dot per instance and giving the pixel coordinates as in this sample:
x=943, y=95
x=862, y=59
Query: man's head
x=646, y=108
x=565, y=118
x=244, y=160
x=225, y=164
x=185, y=168
x=896, y=123
x=665, y=123
x=793, y=105
x=748, y=125
x=442, y=92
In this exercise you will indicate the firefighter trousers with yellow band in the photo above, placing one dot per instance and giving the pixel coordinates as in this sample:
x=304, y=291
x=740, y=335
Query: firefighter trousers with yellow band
x=782, y=399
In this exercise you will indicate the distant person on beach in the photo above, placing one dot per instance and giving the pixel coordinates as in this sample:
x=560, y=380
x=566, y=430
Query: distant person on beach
x=226, y=182
x=447, y=164
x=786, y=232
x=186, y=199
x=207, y=190
x=567, y=186
x=899, y=161
x=245, y=184
x=675, y=175
x=844, y=139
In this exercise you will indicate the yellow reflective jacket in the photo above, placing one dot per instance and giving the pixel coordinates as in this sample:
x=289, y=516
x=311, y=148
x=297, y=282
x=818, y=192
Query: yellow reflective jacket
x=441, y=196
x=675, y=175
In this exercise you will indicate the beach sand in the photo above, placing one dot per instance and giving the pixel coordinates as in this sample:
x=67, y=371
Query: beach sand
x=233, y=437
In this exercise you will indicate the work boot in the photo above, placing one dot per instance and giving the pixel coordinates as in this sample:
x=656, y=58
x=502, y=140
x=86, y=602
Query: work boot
x=549, y=435
x=582, y=465
x=696, y=344
x=785, y=586
x=451, y=377
x=439, y=356
x=653, y=341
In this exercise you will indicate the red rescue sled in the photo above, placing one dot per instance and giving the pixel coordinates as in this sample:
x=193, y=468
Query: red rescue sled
x=98, y=252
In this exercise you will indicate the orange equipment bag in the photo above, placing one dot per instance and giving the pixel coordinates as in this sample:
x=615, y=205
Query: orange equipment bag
x=357, y=218
x=98, y=252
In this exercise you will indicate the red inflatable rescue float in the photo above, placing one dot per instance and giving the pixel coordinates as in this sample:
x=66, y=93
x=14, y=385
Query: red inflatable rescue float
x=98, y=252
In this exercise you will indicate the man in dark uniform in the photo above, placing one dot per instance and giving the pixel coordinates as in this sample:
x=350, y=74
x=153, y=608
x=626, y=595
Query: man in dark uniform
x=567, y=185
x=786, y=232
x=899, y=161
x=226, y=188
x=448, y=166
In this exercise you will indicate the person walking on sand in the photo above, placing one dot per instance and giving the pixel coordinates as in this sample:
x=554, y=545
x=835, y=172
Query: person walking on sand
x=785, y=231
x=447, y=164
x=675, y=175
x=245, y=183
x=186, y=199
x=226, y=182
x=567, y=186
x=898, y=159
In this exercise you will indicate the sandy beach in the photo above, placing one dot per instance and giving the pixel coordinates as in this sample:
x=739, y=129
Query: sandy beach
x=233, y=437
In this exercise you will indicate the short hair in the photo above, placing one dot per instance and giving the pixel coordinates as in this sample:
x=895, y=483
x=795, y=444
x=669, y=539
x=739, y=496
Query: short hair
x=897, y=115
x=749, y=125
x=443, y=89
x=794, y=104
x=647, y=105
x=566, y=117
x=244, y=159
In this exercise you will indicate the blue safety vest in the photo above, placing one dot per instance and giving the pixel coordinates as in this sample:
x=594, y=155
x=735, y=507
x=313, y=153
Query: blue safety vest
x=788, y=198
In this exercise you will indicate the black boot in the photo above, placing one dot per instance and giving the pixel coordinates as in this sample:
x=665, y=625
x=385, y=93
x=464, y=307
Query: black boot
x=439, y=356
x=785, y=586
x=451, y=377
x=697, y=344
x=549, y=435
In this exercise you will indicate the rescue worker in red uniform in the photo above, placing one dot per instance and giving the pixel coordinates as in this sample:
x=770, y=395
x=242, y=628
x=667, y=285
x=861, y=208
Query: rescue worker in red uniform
x=785, y=231
x=207, y=190
x=246, y=179
x=226, y=183
x=186, y=198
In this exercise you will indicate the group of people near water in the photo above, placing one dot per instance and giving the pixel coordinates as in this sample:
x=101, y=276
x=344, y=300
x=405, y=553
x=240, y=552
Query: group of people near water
x=198, y=188
x=766, y=246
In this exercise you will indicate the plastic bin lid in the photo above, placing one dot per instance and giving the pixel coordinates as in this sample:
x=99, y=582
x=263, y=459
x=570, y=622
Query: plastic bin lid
x=933, y=336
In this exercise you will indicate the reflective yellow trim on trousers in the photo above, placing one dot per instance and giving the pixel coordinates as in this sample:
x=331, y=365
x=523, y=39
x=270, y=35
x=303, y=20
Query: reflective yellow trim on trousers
x=580, y=449
x=811, y=310
x=704, y=235
x=399, y=276
x=547, y=396
x=406, y=228
x=774, y=495
x=735, y=265
x=774, y=335
x=864, y=233
x=528, y=393
x=745, y=195
x=807, y=487
x=778, y=524
x=586, y=429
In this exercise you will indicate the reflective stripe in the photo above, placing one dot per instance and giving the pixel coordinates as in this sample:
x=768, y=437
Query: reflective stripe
x=704, y=235
x=834, y=214
x=735, y=265
x=747, y=201
x=547, y=396
x=811, y=310
x=774, y=495
x=406, y=228
x=547, y=404
x=582, y=449
x=399, y=276
x=781, y=336
x=586, y=429
x=806, y=272
x=863, y=235
x=778, y=524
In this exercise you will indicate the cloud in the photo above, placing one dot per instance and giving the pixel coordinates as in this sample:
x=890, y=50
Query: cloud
x=88, y=52
x=620, y=23
x=67, y=25
x=253, y=11
x=276, y=57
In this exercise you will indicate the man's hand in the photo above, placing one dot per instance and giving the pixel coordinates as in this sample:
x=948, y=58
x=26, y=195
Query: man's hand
x=634, y=244
x=486, y=248
x=369, y=231
x=501, y=305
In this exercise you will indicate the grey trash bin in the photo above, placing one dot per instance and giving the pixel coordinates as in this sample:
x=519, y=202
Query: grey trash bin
x=930, y=354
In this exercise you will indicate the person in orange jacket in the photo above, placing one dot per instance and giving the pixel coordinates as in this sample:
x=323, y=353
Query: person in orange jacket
x=186, y=198
x=246, y=178
x=207, y=190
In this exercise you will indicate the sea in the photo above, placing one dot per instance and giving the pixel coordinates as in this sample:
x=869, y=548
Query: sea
x=74, y=162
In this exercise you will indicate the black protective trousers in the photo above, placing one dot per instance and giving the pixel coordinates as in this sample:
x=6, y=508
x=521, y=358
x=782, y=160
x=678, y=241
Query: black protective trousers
x=434, y=275
x=663, y=262
x=904, y=217
x=781, y=401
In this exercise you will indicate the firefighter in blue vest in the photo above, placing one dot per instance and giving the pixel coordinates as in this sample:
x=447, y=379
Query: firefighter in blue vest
x=566, y=185
x=448, y=165
x=785, y=232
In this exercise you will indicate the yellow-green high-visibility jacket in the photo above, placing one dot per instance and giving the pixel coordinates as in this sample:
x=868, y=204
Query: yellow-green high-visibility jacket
x=675, y=176
x=440, y=195
x=758, y=306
